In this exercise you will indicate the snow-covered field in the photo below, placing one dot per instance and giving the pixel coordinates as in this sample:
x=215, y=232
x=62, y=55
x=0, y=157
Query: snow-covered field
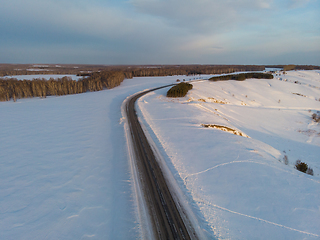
x=65, y=174
x=241, y=187
x=43, y=76
x=64, y=169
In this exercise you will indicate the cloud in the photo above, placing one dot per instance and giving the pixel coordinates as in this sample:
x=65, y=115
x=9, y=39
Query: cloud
x=77, y=21
x=203, y=15
x=152, y=31
x=67, y=15
x=297, y=3
x=49, y=29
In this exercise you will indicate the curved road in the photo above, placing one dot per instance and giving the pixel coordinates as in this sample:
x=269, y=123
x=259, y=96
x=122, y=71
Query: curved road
x=165, y=217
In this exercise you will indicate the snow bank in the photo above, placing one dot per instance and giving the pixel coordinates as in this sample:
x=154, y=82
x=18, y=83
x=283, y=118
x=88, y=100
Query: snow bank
x=241, y=188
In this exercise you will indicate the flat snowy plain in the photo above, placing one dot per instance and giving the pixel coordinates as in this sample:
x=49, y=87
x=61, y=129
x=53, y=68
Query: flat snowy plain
x=65, y=172
x=239, y=187
x=64, y=169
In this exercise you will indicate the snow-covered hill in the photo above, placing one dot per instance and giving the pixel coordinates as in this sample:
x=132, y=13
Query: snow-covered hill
x=241, y=187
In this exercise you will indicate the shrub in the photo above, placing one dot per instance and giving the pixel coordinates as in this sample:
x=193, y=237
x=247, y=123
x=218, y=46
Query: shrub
x=179, y=90
x=316, y=117
x=301, y=166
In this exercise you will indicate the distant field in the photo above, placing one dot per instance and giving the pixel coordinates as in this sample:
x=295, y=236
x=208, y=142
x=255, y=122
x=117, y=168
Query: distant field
x=129, y=70
x=43, y=76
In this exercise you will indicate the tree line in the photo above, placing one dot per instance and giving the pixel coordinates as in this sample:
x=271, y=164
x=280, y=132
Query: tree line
x=242, y=76
x=98, y=80
x=16, y=89
x=295, y=67
x=129, y=70
x=137, y=70
x=188, y=70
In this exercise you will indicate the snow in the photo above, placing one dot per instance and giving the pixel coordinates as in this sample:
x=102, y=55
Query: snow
x=64, y=168
x=37, y=69
x=43, y=76
x=273, y=69
x=66, y=171
x=39, y=66
x=239, y=187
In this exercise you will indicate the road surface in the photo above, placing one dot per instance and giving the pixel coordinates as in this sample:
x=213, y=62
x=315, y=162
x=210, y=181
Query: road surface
x=165, y=218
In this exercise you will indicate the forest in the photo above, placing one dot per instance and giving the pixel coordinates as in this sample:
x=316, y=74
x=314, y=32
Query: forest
x=137, y=70
x=294, y=67
x=129, y=70
x=242, y=76
x=188, y=70
x=99, y=77
x=95, y=77
x=16, y=89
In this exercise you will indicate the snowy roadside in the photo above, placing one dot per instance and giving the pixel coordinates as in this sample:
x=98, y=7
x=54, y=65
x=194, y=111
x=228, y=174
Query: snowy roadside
x=140, y=204
x=238, y=187
x=182, y=203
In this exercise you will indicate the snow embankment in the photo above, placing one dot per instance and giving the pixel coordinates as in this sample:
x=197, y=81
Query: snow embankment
x=243, y=188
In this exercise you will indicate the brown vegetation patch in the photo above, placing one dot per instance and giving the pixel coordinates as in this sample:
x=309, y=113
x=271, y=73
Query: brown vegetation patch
x=216, y=100
x=299, y=94
x=225, y=129
x=310, y=132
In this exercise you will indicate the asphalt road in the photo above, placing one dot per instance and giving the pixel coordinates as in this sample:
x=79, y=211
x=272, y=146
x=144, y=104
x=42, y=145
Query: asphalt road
x=165, y=218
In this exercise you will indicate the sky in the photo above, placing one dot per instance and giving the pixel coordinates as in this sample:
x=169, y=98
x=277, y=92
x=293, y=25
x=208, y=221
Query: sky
x=160, y=31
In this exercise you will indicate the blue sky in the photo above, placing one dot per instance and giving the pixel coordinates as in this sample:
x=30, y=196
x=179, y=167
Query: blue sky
x=160, y=31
